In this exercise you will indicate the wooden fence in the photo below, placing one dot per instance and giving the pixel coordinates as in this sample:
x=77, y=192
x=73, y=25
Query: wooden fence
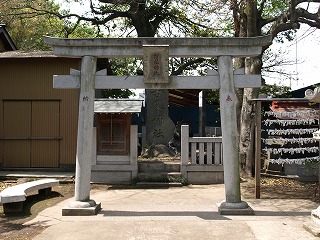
x=201, y=158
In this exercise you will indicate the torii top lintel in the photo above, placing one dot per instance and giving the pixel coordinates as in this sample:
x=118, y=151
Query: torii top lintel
x=178, y=47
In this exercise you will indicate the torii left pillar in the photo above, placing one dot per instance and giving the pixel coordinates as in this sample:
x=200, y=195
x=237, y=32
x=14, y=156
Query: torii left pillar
x=83, y=205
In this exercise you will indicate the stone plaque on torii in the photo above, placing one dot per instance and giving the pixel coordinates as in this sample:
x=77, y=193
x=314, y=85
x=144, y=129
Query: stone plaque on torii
x=225, y=79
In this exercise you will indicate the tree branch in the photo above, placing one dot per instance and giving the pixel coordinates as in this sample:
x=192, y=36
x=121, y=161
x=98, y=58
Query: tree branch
x=129, y=2
x=235, y=10
x=182, y=67
x=291, y=17
x=312, y=19
x=283, y=17
x=310, y=23
x=113, y=15
x=306, y=1
x=93, y=9
x=281, y=27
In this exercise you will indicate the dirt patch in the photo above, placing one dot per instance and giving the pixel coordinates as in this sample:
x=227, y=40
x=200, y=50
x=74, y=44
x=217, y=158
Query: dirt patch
x=282, y=188
x=12, y=228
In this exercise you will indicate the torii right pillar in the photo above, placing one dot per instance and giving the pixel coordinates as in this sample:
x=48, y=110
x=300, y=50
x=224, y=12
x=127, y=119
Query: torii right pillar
x=313, y=225
x=233, y=204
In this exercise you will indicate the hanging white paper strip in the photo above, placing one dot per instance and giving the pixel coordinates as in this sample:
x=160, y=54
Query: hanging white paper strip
x=283, y=141
x=294, y=114
x=297, y=131
x=292, y=150
x=293, y=160
x=290, y=122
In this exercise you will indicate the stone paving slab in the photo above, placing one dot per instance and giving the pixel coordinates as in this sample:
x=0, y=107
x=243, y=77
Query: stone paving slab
x=176, y=213
x=151, y=230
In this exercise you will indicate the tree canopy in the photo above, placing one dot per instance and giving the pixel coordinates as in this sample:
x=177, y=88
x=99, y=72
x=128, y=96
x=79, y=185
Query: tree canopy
x=27, y=27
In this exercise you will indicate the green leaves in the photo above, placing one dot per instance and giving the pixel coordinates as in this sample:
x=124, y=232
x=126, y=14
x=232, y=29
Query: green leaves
x=273, y=8
x=275, y=91
x=117, y=93
x=28, y=21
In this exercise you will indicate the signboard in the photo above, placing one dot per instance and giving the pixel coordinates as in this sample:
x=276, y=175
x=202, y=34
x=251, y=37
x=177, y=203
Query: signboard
x=156, y=64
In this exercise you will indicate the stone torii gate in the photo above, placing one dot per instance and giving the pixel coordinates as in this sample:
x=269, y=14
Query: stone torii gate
x=156, y=52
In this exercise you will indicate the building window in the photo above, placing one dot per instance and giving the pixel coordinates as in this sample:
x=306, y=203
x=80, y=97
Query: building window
x=113, y=132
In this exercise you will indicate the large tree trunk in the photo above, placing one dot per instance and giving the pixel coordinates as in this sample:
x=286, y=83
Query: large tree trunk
x=246, y=145
x=252, y=66
x=238, y=64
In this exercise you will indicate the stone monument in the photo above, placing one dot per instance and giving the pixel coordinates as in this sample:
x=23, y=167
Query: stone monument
x=156, y=71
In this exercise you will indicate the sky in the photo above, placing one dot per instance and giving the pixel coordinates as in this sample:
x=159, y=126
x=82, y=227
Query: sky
x=303, y=51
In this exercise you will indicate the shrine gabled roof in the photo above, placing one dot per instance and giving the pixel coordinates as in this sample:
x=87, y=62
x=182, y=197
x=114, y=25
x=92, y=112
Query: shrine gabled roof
x=28, y=54
x=117, y=106
x=6, y=39
x=294, y=110
x=183, y=98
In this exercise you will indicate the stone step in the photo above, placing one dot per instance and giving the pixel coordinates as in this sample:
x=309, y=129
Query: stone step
x=273, y=172
x=158, y=184
x=159, y=174
x=158, y=167
x=160, y=180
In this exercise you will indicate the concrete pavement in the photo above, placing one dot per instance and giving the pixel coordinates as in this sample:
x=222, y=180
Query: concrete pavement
x=189, y=212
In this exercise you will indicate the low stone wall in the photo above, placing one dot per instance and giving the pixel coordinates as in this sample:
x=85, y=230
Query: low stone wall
x=205, y=177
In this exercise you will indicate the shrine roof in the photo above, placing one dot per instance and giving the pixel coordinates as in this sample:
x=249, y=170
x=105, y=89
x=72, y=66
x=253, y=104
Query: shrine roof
x=28, y=54
x=6, y=39
x=117, y=106
x=295, y=110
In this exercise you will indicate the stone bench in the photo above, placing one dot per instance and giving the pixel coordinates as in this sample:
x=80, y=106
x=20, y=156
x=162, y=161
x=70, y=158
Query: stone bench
x=13, y=197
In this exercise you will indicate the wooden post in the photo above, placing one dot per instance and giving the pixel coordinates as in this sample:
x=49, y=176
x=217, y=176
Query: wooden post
x=202, y=115
x=184, y=149
x=134, y=149
x=258, y=149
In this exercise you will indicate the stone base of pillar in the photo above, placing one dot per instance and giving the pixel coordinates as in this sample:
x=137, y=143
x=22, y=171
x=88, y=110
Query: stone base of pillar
x=313, y=226
x=240, y=208
x=78, y=208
